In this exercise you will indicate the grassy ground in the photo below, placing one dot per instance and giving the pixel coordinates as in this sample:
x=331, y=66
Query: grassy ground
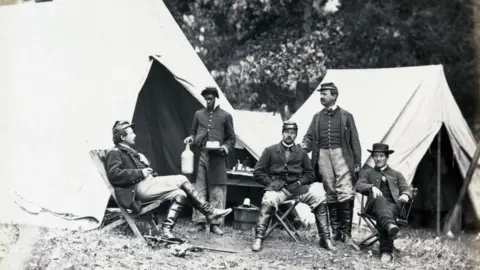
x=59, y=249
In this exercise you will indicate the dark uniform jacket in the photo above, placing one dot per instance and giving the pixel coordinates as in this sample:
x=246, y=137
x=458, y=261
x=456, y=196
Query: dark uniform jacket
x=274, y=171
x=351, y=149
x=124, y=172
x=215, y=125
x=370, y=177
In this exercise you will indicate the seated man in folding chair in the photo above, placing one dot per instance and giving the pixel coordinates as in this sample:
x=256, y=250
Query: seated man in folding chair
x=135, y=182
x=286, y=172
x=386, y=190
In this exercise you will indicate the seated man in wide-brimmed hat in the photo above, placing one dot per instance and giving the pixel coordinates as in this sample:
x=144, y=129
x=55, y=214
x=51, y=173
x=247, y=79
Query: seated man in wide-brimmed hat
x=386, y=189
x=135, y=181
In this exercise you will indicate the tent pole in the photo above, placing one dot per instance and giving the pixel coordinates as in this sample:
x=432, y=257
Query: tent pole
x=439, y=178
x=466, y=182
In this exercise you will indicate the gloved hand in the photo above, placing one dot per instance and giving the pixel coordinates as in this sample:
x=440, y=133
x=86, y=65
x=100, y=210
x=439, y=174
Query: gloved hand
x=293, y=186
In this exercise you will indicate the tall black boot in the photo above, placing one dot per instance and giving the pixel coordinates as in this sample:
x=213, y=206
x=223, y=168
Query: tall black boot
x=266, y=213
x=335, y=221
x=321, y=219
x=347, y=215
x=202, y=205
x=175, y=209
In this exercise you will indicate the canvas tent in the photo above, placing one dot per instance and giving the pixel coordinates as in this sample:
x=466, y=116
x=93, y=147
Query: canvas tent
x=164, y=108
x=69, y=69
x=405, y=108
x=264, y=128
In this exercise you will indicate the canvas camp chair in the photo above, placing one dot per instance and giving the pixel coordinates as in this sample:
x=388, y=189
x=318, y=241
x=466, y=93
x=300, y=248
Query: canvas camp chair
x=145, y=213
x=402, y=220
x=281, y=219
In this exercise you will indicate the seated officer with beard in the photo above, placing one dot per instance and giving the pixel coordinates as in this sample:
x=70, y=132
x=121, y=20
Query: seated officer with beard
x=386, y=190
x=135, y=182
x=286, y=172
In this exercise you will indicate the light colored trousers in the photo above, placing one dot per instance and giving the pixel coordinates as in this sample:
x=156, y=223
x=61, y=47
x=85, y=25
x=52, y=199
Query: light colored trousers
x=160, y=188
x=313, y=198
x=336, y=176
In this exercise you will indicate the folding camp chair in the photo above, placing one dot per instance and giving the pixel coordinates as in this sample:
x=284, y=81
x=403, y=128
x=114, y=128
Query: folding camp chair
x=402, y=220
x=280, y=218
x=145, y=213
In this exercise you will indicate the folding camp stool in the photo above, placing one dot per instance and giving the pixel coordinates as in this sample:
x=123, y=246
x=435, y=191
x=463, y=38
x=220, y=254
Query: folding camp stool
x=280, y=218
x=146, y=211
x=402, y=220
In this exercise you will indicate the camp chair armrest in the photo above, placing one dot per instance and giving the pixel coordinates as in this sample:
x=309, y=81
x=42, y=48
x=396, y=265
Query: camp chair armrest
x=366, y=215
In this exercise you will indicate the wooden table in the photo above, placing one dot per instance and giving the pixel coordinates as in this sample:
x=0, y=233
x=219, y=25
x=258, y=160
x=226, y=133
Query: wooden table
x=241, y=185
x=241, y=178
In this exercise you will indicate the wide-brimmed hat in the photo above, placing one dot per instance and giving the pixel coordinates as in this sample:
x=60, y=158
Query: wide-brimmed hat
x=210, y=90
x=121, y=125
x=381, y=147
x=327, y=86
x=289, y=125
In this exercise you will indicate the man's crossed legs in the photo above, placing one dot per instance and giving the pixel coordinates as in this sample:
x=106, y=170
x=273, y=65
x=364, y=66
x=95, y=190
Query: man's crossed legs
x=176, y=188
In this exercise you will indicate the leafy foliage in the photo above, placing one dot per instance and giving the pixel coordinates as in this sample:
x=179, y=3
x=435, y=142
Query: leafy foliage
x=404, y=33
x=267, y=52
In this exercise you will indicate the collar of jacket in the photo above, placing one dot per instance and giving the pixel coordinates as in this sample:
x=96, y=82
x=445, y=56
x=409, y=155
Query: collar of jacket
x=334, y=108
x=280, y=147
x=286, y=146
x=384, y=170
x=125, y=148
x=337, y=108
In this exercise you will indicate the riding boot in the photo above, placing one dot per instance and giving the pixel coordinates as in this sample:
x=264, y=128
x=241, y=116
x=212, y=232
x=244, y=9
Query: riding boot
x=347, y=215
x=335, y=221
x=175, y=209
x=266, y=213
x=202, y=205
x=321, y=219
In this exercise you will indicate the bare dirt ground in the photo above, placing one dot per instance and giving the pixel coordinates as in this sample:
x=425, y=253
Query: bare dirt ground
x=419, y=249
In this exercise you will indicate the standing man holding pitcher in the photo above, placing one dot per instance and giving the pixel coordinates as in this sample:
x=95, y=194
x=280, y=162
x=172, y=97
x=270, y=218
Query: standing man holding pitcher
x=211, y=126
x=336, y=156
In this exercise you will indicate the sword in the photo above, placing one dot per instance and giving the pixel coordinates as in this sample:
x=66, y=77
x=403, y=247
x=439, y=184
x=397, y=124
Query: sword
x=178, y=241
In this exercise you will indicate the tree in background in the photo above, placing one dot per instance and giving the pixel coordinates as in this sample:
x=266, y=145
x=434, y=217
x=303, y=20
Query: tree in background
x=275, y=52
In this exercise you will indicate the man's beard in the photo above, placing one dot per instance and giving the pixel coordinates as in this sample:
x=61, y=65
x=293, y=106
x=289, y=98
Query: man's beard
x=288, y=140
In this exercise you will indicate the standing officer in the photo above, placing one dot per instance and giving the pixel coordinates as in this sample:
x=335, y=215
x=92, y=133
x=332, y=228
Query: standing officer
x=336, y=156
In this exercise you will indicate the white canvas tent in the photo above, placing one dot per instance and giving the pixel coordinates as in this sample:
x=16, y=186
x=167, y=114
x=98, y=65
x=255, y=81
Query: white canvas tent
x=264, y=129
x=405, y=108
x=69, y=69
